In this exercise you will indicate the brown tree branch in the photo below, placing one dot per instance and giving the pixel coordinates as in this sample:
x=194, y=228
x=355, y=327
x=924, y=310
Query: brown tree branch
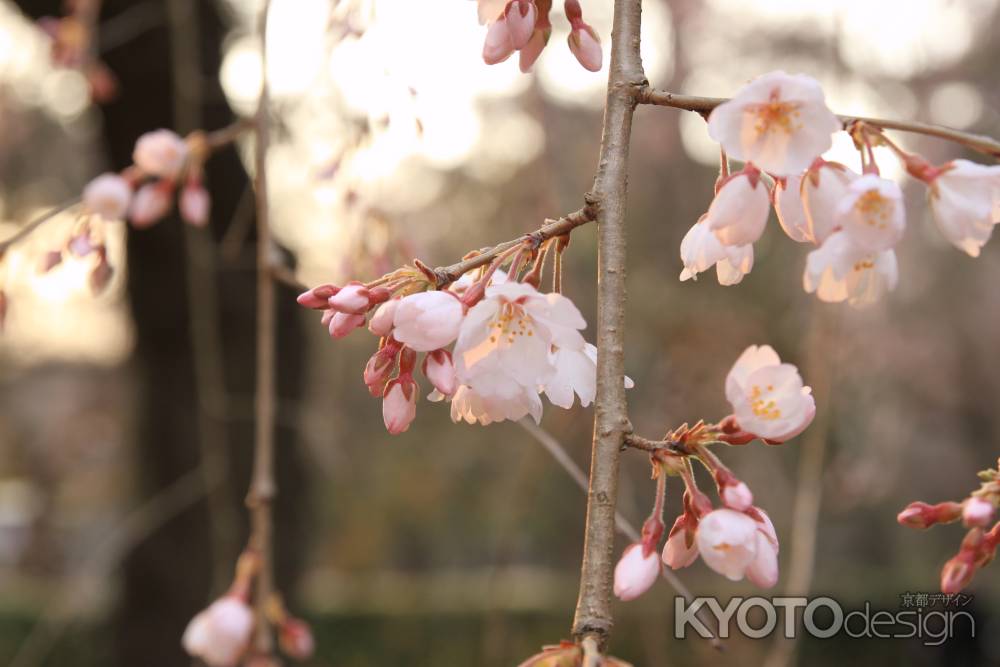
x=262, y=486
x=704, y=105
x=593, y=609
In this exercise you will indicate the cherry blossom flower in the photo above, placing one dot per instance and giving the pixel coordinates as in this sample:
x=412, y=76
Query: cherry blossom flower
x=636, y=572
x=790, y=209
x=823, y=187
x=779, y=122
x=965, y=202
x=399, y=404
x=428, y=321
x=677, y=553
x=108, y=196
x=583, y=40
x=871, y=213
x=700, y=249
x=471, y=407
x=195, y=204
x=739, y=211
x=839, y=271
x=977, y=512
x=575, y=373
x=151, y=202
x=727, y=542
x=296, y=640
x=160, y=153
x=767, y=396
x=503, y=348
x=220, y=634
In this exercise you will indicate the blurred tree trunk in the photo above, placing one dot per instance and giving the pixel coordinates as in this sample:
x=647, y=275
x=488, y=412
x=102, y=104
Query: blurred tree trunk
x=167, y=579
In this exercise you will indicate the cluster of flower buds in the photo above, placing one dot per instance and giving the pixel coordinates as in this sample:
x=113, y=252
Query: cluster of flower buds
x=220, y=635
x=737, y=539
x=779, y=125
x=144, y=192
x=512, y=342
x=978, y=513
x=523, y=26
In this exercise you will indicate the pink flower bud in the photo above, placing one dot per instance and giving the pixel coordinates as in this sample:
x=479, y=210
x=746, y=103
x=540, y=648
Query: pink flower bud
x=341, y=324
x=296, y=639
x=195, y=204
x=677, y=552
x=440, y=370
x=220, y=634
x=586, y=46
x=737, y=496
x=499, y=44
x=160, y=153
x=379, y=368
x=533, y=49
x=318, y=298
x=150, y=204
x=108, y=196
x=956, y=574
x=921, y=515
x=521, y=16
x=977, y=512
x=428, y=321
x=399, y=404
x=381, y=322
x=636, y=572
x=352, y=298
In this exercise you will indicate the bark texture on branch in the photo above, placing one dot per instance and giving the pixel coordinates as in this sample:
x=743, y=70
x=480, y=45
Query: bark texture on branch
x=593, y=609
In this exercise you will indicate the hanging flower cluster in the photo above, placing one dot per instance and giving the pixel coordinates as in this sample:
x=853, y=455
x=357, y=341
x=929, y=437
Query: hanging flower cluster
x=779, y=125
x=220, y=635
x=737, y=539
x=510, y=342
x=978, y=514
x=523, y=26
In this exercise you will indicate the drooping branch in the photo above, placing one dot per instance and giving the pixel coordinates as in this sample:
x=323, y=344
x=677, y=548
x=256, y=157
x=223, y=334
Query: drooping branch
x=704, y=105
x=593, y=609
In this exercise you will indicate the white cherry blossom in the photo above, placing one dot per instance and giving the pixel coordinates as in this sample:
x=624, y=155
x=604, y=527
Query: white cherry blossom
x=700, y=250
x=220, y=634
x=790, y=209
x=738, y=212
x=778, y=121
x=727, y=542
x=839, y=271
x=871, y=213
x=108, y=196
x=768, y=397
x=428, y=321
x=965, y=202
x=160, y=153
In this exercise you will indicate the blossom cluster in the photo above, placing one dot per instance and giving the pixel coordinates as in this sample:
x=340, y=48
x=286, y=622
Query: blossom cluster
x=779, y=126
x=511, y=343
x=220, y=635
x=523, y=27
x=977, y=512
x=736, y=540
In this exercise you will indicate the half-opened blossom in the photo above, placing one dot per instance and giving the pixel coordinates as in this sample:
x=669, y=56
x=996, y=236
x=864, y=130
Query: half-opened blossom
x=160, y=153
x=150, y=203
x=965, y=202
x=677, y=553
x=871, y=213
x=220, y=634
x=440, y=370
x=636, y=572
x=428, y=321
x=503, y=348
x=767, y=396
x=778, y=121
x=739, y=211
x=399, y=404
x=108, y=196
x=823, y=187
x=790, y=209
x=194, y=204
x=839, y=271
x=381, y=322
x=727, y=542
x=701, y=249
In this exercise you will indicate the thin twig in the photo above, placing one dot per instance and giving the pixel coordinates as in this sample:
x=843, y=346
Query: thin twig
x=704, y=105
x=262, y=486
x=623, y=525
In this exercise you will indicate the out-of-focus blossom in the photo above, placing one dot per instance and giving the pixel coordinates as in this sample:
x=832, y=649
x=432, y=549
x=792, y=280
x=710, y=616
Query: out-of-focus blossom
x=839, y=271
x=871, y=213
x=220, y=634
x=428, y=321
x=108, y=196
x=636, y=572
x=296, y=640
x=779, y=122
x=739, y=211
x=921, y=515
x=151, y=202
x=195, y=204
x=965, y=202
x=160, y=153
x=977, y=512
x=767, y=396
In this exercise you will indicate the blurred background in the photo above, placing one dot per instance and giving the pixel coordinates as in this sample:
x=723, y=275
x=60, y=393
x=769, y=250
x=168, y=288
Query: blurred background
x=126, y=419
